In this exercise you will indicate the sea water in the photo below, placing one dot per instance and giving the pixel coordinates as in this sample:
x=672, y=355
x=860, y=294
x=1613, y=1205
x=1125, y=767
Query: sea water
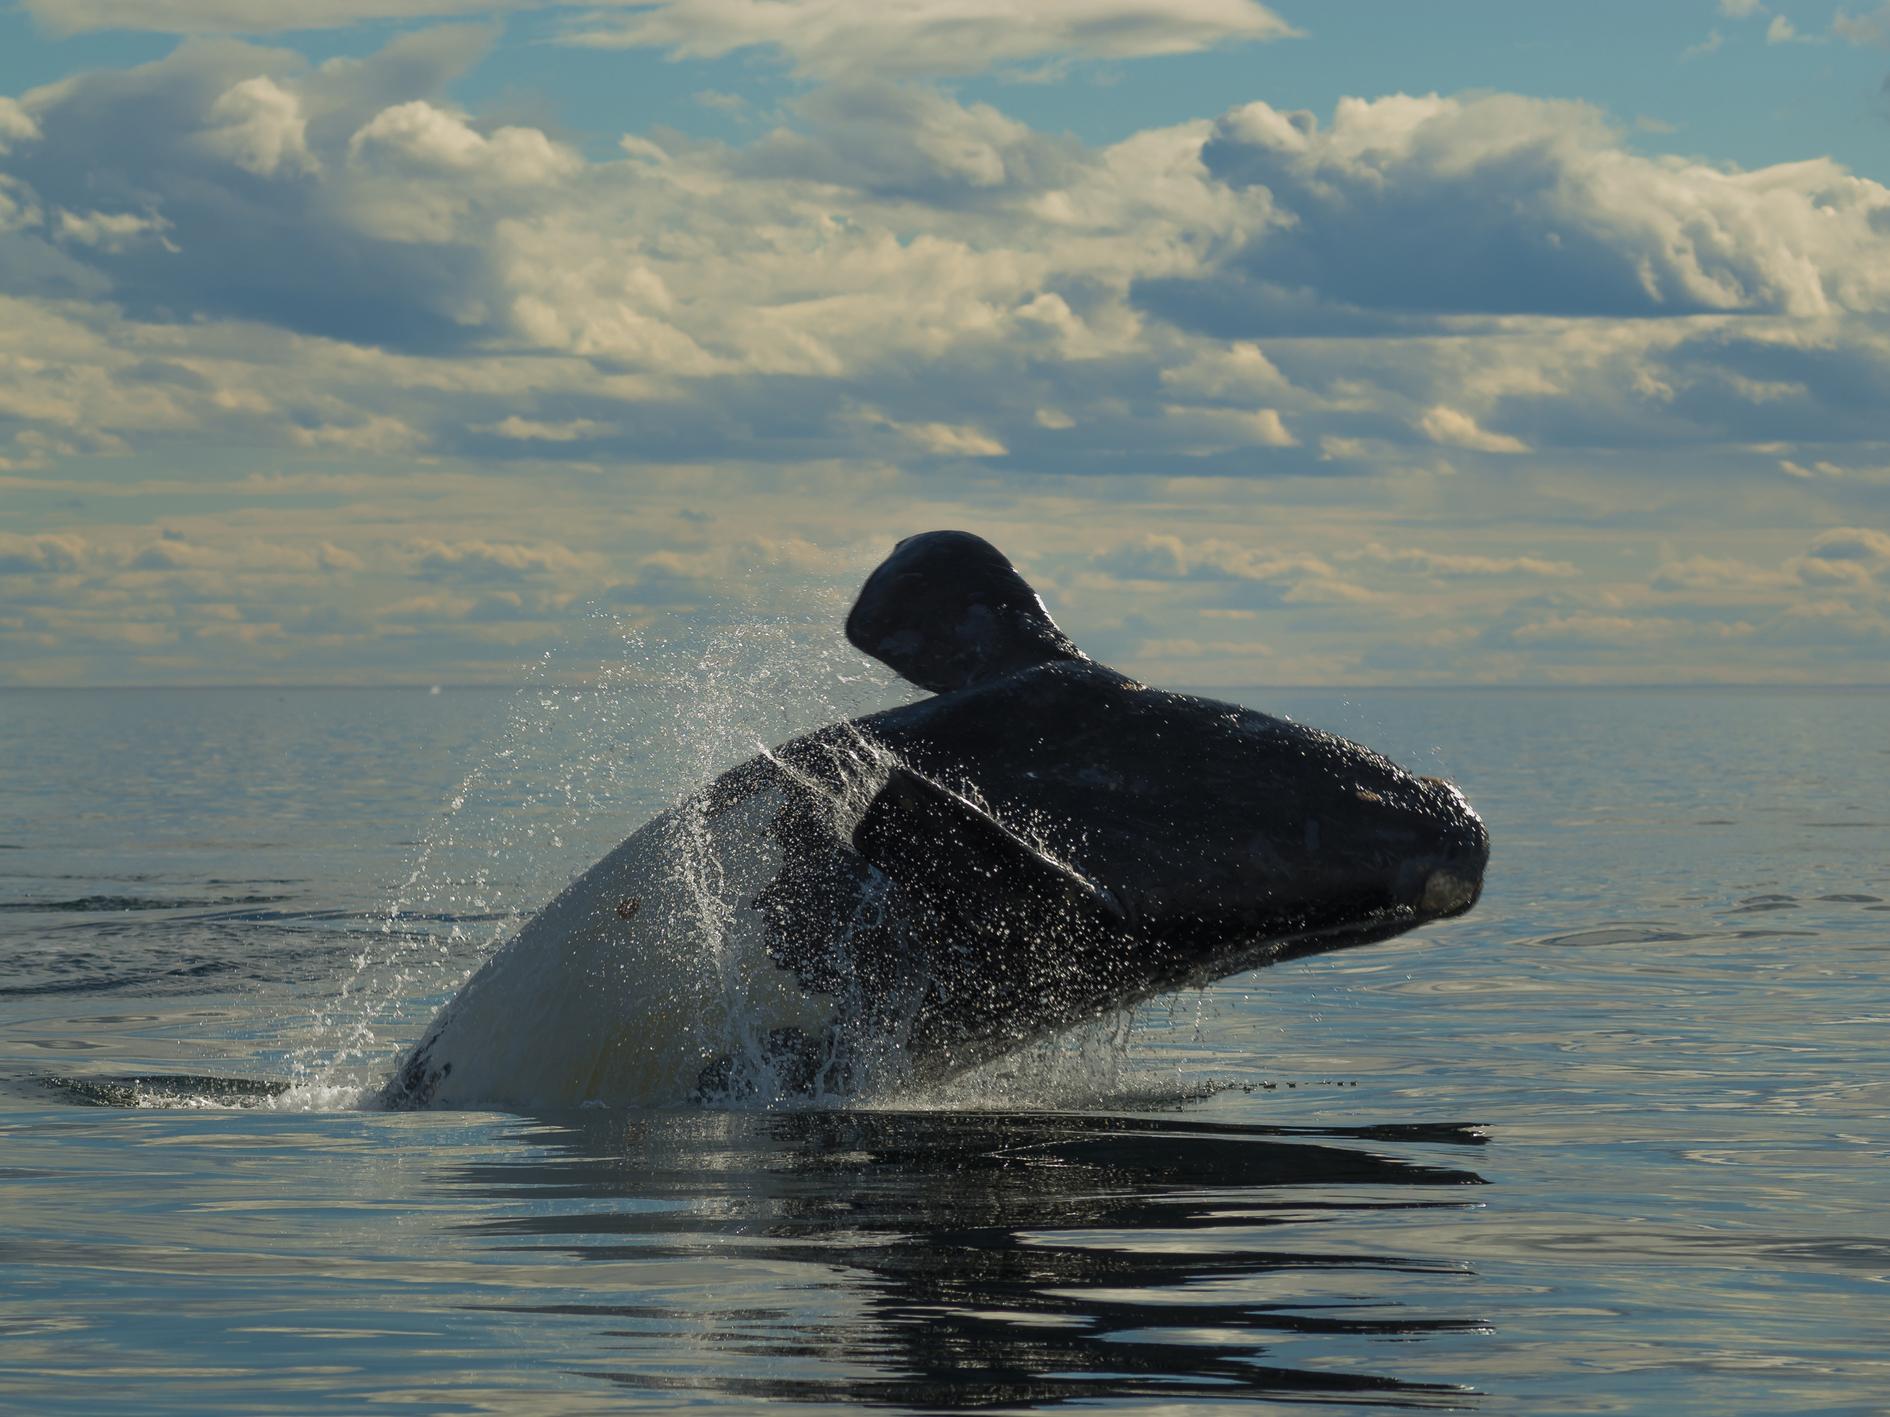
x=1614, y=1142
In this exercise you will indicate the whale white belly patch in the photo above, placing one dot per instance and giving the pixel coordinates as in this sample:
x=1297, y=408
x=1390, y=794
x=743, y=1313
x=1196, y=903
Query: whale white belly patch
x=648, y=967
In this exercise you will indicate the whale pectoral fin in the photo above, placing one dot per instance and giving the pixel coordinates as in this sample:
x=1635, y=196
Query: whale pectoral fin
x=961, y=860
x=946, y=611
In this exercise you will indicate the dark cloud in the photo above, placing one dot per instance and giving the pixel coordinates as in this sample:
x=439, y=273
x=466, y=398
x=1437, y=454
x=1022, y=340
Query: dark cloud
x=1242, y=300
x=1456, y=224
x=238, y=232
x=1852, y=543
x=1810, y=388
x=1407, y=209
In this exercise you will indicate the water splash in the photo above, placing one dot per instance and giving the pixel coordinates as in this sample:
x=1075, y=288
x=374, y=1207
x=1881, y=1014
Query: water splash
x=608, y=729
x=614, y=727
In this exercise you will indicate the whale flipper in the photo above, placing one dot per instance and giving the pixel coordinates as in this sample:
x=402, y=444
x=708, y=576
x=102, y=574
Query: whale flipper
x=962, y=861
x=946, y=611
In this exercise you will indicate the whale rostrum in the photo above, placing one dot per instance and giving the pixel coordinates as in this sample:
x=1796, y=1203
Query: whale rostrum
x=894, y=899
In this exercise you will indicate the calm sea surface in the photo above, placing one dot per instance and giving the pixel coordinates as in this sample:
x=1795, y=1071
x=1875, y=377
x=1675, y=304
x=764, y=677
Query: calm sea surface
x=1615, y=1142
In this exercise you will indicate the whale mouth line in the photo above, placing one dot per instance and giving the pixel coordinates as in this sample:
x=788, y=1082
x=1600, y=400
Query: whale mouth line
x=1383, y=923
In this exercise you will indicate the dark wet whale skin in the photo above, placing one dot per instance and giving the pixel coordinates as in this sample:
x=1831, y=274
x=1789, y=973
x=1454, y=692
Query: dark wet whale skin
x=1216, y=839
x=1192, y=812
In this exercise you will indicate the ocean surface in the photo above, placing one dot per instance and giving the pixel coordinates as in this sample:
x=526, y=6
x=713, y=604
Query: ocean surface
x=1617, y=1141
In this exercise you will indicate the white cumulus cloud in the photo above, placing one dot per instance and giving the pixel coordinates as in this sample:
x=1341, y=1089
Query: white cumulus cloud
x=528, y=430
x=109, y=231
x=1455, y=429
x=259, y=125
x=1865, y=27
x=16, y=125
x=46, y=553
x=431, y=140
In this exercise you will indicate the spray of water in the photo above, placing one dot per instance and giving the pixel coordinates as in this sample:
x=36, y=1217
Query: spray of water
x=610, y=729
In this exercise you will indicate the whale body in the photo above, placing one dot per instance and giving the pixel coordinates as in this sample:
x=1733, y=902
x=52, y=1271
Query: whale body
x=901, y=897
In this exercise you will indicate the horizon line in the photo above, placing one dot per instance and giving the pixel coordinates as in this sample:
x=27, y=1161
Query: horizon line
x=1377, y=688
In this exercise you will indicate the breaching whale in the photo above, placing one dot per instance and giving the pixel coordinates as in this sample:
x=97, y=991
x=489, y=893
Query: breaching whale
x=904, y=896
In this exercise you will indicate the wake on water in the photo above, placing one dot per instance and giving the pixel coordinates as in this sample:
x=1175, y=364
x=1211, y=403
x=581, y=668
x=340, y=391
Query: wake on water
x=578, y=765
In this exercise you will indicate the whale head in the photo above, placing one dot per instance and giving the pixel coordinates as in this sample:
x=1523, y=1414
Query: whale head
x=1337, y=847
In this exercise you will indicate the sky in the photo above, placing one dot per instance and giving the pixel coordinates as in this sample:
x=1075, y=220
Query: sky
x=1375, y=343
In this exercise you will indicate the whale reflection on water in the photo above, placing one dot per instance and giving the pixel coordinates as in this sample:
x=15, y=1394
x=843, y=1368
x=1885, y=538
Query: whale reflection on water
x=948, y=1261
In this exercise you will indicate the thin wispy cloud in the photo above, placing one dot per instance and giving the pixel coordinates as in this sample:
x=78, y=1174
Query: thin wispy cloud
x=838, y=38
